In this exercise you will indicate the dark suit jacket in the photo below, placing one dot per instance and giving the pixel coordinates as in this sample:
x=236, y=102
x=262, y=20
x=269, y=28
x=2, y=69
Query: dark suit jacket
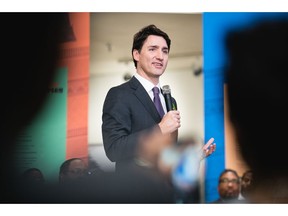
x=128, y=113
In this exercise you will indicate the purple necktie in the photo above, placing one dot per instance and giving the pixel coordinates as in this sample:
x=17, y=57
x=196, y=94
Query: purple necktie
x=157, y=101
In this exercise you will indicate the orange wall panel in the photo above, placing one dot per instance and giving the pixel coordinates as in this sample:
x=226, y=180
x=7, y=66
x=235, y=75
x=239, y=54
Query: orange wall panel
x=76, y=56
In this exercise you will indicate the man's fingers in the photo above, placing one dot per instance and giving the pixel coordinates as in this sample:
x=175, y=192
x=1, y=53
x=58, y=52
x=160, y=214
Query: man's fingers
x=210, y=141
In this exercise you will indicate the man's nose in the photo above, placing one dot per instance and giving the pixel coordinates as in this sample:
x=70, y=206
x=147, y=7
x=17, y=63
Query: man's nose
x=230, y=183
x=159, y=55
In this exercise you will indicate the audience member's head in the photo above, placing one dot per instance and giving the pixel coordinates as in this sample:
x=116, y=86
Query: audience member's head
x=246, y=183
x=32, y=176
x=228, y=186
x=257, y=97
x=72, y=169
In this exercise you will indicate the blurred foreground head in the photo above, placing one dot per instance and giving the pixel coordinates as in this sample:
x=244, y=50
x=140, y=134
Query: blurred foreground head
x=258, y=94
x=30, y=52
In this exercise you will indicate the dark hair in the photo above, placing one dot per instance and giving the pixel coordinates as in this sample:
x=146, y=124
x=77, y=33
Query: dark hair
x=226, y=171
x=27, y=173
x=142, y=35
x=65, y=165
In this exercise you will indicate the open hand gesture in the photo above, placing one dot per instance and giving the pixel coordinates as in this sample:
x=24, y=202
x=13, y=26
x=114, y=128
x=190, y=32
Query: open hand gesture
x=208, y=148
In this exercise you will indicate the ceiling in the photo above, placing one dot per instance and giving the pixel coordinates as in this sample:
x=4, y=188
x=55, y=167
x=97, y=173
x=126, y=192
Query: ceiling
x=111, y=37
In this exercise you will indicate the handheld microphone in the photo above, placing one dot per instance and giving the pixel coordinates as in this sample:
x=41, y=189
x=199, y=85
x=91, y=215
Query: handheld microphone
x=168, y=98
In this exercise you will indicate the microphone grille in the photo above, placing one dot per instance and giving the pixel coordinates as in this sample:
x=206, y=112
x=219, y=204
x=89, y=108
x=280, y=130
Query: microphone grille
x=166, y=89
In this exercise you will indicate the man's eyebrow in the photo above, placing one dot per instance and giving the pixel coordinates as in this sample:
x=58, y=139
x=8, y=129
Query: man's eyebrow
x=157, y=46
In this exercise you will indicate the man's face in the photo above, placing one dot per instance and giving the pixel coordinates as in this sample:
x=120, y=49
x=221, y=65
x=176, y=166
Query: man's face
x=153, y=58
x=229, y=186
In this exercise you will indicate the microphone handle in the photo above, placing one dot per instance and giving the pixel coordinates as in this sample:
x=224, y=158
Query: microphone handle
x=168, y=101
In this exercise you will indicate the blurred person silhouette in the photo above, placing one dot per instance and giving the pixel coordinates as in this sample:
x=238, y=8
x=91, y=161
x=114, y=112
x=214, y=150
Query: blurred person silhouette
x=129, y=110
x=257, y=97
x=181, y=163
x=148, y=180
x=31, y=45
x=246, y=185
x=31, y=184
x=228, y=187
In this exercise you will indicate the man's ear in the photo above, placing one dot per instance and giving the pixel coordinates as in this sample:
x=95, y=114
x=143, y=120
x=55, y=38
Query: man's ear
x=136, y=55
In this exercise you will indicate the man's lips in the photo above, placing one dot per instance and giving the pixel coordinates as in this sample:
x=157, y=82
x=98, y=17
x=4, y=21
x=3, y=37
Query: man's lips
x=157, y=65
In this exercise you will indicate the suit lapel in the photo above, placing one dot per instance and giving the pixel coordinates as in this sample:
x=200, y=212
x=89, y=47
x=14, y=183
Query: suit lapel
x=144, y=98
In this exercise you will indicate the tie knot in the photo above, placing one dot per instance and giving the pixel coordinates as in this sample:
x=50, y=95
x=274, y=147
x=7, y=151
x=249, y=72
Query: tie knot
x=155, y=90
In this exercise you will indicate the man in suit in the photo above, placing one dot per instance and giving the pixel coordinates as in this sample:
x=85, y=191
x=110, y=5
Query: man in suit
x=134, y=131
x=129, y=113
x=132, y=123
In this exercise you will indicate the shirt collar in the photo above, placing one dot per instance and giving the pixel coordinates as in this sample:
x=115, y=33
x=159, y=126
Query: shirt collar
x=146, y=83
